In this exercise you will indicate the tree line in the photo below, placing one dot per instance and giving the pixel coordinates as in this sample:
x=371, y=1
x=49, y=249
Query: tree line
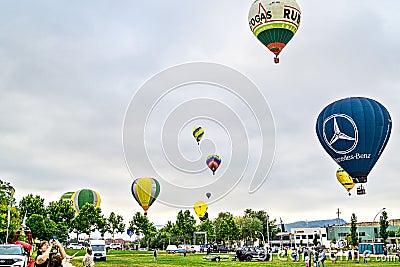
x=59, y=219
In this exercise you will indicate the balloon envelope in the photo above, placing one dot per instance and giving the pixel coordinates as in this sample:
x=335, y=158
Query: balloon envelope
x=198, y=133
x=83, y=196
x=145, y=191
x=213, y=162
x=354, y=131
x=274, y=23
x=344, y=178
x=205, y=217
x=200, y=207
x=67, y=196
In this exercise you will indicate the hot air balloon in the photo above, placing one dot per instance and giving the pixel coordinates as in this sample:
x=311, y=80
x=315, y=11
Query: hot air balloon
x=208, y=194
x=354, y=132
x=213, y=162
x=274, y=23
x=83, y=196
x=200, y=207
x=344, y=178
x=145, y=191
x=205, y=217
x=67, y=196
x=198, y=133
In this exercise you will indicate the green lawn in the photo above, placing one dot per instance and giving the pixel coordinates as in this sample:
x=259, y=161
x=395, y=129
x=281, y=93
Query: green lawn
x=145, y=259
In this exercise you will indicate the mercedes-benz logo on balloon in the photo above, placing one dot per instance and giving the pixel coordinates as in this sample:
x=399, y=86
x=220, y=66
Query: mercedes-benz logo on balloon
x=340, y=133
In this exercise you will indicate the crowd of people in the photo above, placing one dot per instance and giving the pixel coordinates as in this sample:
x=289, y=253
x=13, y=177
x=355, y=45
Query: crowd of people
x=316, y=256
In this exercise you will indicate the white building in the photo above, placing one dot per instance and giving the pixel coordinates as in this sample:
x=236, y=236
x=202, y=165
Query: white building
x=305, y=236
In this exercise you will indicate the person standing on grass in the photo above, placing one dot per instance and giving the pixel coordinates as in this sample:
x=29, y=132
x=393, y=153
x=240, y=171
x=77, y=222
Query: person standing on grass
x=365, y=256
x=307, y=260
x=88, y=259
x=155, y=254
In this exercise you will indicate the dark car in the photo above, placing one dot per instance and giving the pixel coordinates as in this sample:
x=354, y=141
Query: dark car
x=221, y=249
x=249, y=253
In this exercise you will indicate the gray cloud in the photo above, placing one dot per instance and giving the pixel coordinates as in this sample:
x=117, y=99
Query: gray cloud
x=68, y=71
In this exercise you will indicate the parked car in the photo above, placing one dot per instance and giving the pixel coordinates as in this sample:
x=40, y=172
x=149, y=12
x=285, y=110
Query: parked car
x=196, y=248
x=13, y=255
x=249, y=253
x=116, y=246
x=171, y=249
x=221, y=249
x=75, y=246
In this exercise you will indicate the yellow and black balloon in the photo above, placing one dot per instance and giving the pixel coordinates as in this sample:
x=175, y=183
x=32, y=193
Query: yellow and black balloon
x=345, y=179
x=198, y=133
x=200, y=208
x=145, y=191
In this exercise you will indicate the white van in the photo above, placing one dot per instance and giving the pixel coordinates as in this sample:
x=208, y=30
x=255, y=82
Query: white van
x=99, y=249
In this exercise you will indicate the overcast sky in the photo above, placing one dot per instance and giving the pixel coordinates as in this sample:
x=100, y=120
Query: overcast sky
x=69, y=69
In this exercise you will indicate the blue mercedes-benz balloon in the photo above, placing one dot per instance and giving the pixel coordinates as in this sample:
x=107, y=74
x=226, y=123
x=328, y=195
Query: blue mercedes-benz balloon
x=354, y=131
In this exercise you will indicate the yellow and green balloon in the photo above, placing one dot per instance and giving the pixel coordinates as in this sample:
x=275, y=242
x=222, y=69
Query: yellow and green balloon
x=67, y=196
x=145, y=191
x=83, y=196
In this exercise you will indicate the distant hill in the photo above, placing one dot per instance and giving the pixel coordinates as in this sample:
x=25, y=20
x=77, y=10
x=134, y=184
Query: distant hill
x=311, y=224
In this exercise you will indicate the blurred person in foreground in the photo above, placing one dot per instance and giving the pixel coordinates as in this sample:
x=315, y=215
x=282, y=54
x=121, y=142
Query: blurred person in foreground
x=48, y=250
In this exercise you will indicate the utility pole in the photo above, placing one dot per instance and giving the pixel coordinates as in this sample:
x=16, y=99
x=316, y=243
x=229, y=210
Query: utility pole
x=268, y=230
x=338, y=217
x=282, y=228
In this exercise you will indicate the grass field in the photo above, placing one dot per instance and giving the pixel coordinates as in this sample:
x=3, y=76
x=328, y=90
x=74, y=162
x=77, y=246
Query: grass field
x=145, y=259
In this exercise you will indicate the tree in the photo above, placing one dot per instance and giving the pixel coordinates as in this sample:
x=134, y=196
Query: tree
x=208, y=227
x=8, y=212
x=269, y=231
x=42, y=227
x=316, y=239
x=384, y=225
x=217, y=222
x=249, y=226
x=116, y=224
x=104, y=227
x=15, y=222
x=32, y=205
x=7, y=193
x=185, y=225
x=353, y=230
x=228, y=229
x=141, y=225
x=163, y=236
x=88, y=220
x=167, y=232
x=62, y=213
